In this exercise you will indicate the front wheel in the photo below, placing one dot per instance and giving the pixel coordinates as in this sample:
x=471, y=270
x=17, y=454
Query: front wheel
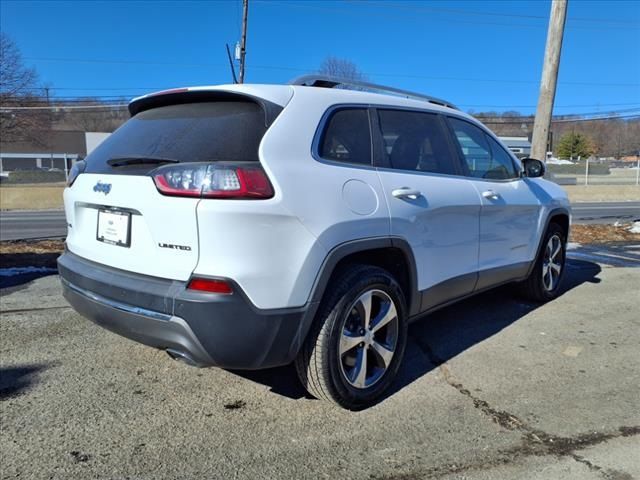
x=355, y=347
x=544, y=281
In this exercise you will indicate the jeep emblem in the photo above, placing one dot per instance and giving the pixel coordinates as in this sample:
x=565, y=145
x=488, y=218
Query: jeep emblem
x=102, y=187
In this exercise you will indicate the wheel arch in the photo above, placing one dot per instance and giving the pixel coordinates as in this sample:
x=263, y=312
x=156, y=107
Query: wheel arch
x=560, y=216
x=390, y=253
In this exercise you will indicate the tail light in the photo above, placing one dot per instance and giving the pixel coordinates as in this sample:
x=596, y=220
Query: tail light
x=213, y=180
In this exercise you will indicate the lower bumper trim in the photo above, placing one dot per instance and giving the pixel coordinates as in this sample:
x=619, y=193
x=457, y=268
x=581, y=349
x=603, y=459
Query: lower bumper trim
x=154, y=329
x=118, y=305
x=226, y=331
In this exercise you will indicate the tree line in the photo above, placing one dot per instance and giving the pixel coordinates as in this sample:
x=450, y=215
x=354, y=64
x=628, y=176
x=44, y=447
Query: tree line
x=611, y=137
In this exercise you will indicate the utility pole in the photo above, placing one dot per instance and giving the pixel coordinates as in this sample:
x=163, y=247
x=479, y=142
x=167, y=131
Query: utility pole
x=243, y=40
x=542, y=122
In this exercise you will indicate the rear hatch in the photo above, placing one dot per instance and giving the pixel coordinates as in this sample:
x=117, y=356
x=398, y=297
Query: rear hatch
x=116, y=213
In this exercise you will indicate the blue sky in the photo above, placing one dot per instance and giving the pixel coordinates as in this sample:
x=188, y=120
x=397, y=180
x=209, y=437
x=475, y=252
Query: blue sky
x=481, y=55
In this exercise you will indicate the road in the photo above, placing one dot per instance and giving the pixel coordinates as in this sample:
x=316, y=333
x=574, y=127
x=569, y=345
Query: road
x=605, y=212
x=23, y=224
x=492, y=388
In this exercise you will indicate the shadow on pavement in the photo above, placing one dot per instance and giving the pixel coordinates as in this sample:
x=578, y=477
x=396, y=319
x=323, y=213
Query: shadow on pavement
x=20, y=268
x=614, y=254
x=446, y=333
x=280, y=380
x=443, y=334
x=16, y=380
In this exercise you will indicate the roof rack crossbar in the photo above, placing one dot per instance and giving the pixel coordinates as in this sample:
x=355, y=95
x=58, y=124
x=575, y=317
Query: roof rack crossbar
x=325, y=81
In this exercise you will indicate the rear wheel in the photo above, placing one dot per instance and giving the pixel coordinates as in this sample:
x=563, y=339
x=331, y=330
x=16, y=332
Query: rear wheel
x=355, y=347
x=544, y=281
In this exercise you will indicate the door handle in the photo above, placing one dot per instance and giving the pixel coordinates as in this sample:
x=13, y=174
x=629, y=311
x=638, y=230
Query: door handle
x=490, y=195
x=406, y=192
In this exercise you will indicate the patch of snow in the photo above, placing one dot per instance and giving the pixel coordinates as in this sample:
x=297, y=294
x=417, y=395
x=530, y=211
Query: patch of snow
x=573, y=245
x=557, y=161
x=12, y=272
x=635, y=228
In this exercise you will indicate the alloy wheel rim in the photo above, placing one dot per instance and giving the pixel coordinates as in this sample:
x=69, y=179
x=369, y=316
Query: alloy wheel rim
x=368, y=339
x=552, y=263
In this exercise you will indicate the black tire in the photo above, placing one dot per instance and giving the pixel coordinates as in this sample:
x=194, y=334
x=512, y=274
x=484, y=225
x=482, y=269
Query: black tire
x=321, y=367
x=536, y=286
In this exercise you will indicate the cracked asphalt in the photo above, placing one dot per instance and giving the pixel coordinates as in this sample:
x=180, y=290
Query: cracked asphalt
x=491, y=388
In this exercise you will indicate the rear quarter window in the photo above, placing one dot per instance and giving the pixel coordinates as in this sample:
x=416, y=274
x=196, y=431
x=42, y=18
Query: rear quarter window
x=347, y=137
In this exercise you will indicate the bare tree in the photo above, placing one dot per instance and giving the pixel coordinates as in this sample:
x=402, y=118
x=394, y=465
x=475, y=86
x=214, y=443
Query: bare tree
x=19, y=88
x=15, y=78
x=105, y=119
x=342, y=68
x=611, y=137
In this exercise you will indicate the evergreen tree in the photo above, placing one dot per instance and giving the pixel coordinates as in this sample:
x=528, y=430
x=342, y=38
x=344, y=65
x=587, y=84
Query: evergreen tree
x=574, y=145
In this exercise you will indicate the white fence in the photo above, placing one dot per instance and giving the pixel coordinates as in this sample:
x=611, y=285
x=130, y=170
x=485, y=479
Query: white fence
x=596, y=173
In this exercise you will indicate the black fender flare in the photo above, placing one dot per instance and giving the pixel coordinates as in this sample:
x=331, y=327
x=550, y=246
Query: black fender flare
x=333, y=258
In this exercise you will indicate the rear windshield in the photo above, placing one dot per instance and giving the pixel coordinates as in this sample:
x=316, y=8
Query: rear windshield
x=191, y=132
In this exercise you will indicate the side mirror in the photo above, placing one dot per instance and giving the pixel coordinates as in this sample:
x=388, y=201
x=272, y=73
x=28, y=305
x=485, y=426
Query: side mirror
x=533, y=168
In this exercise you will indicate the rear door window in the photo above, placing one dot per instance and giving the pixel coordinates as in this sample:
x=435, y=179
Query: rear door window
x=415, y=141
x=192, y=132
x=347, y=137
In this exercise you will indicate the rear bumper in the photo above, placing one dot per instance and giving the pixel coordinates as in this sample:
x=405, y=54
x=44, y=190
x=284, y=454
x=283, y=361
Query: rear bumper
x=203, y=329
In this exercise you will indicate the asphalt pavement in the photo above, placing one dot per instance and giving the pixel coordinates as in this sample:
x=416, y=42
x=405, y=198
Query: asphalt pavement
x=25, y=224
x=493, y=388
x=605, y=212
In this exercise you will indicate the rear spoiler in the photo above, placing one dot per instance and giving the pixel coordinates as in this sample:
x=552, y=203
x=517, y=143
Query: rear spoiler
x=184, y=95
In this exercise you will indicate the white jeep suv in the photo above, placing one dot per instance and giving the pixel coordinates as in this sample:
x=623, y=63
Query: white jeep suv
x=251, y=226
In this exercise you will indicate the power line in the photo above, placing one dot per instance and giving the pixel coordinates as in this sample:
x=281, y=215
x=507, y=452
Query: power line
x=635, y=110
x=386, y=15
x=486, y=120
x=90, y=100
x=124, y=62
x=109, y=88
x=71, y=105
x=636, y=106
x=459, y=11
x=296, y=69
x=65, y=107
x=125, y=96
x=617, y=114
x=557, y=106
x=571, y=120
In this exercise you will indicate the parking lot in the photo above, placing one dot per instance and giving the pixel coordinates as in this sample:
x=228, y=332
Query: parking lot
x=491, y=388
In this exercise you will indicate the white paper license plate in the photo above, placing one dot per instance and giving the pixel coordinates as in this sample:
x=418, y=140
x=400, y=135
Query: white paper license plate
x=114, y=227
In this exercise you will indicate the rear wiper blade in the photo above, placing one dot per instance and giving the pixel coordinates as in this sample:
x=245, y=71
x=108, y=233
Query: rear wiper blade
x=141, y=160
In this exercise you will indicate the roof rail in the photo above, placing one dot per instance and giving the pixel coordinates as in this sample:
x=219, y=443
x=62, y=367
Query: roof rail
x=325, y=81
